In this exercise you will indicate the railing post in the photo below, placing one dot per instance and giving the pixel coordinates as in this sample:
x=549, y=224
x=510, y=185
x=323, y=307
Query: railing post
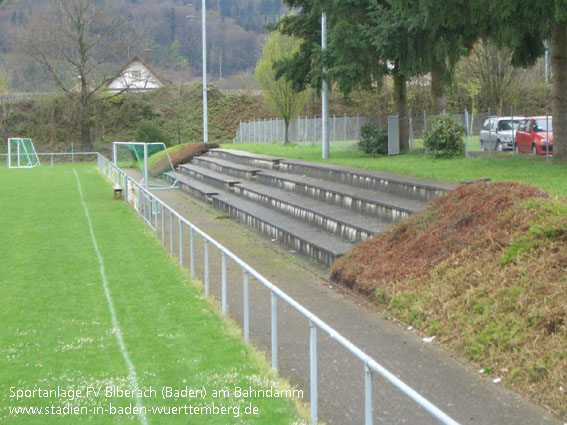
x=192, y=252
x=180, y=242
x=223, y=286
x=162, y=214
x=313, y=371
x=206, y=266
x=274, y=330
x=246, y=308
x=171, y=232
x=154, y=208
x=368, y=408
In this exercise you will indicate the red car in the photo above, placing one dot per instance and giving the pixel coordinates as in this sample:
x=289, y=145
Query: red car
x=535, y=135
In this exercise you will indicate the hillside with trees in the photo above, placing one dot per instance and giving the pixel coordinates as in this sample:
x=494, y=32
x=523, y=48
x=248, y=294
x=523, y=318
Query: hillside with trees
x=167, y=33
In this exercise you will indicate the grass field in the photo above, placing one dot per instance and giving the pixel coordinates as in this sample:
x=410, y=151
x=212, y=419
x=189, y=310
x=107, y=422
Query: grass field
x=62, y=333
x=502, y=167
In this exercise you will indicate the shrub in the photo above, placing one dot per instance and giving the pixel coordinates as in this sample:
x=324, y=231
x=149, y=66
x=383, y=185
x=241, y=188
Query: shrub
x=149, y=132
x=444, y=137
x=374, y=139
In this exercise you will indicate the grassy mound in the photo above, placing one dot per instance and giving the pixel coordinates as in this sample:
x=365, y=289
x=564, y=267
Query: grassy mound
x=179, y=154
x=483, y=269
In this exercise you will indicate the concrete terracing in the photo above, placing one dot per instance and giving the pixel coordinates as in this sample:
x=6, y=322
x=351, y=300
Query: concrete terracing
x=318, y=210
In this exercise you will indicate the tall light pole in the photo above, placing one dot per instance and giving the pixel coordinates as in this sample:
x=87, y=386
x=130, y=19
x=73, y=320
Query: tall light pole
x=325, y=94
x=204, y=32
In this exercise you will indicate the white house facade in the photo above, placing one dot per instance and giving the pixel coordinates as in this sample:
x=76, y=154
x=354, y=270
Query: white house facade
x=136, y=76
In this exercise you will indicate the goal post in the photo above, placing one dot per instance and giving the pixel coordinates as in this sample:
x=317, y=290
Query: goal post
x=21, y=153
x=150, y=159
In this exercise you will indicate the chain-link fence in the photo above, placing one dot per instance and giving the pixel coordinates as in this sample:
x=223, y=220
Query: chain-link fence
x=343, y=129
x=303, y=130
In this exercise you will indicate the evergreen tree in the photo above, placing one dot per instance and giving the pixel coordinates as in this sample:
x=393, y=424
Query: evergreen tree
x=524, y=27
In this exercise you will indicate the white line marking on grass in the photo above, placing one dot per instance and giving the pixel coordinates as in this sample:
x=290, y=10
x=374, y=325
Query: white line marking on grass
x=116, y=328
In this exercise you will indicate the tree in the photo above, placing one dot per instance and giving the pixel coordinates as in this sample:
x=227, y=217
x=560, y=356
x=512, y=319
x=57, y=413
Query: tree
x=279, y=94
x=492, y=68
x=524, y=30
x=76, y=39
x=366, y=40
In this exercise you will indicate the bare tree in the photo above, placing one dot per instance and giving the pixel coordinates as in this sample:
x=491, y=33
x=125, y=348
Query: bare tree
x=75, y=40
x=492, y=67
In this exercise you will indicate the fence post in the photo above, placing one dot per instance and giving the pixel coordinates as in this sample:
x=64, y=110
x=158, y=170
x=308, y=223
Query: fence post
x=246, y=307
x=411, y=131
x=274, y=330
x=192, y=251
x=513, y=130
x=489, y=135
x=313, y=371
x=334, y=128
x=181, y=242
x=171, y=232
x=368, y=408
x=223, y=285
x=344, y=128
x=162, y=214
x=547, y=133
x=206, y=266
x=154, y=214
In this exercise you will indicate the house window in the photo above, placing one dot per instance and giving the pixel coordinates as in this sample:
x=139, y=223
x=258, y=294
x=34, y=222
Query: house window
x=136, y=75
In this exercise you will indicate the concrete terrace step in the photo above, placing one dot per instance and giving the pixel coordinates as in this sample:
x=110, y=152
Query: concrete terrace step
x=384, y=206
x=396, y=184
x=193, y=186
x=301, y=236
x=352, y=226
x=246, y=158
x=378, y=204
x=208, y=176
x=226, y=167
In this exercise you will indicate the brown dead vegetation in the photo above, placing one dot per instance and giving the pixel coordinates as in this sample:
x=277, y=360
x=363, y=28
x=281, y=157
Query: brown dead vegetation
x=469, y=215
x=485, y=270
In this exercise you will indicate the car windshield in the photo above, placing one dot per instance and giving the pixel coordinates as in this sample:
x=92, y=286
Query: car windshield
x=507, y=124
x=542, y=125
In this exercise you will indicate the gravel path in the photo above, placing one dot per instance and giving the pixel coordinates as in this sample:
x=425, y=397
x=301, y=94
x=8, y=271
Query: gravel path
x=453, y=386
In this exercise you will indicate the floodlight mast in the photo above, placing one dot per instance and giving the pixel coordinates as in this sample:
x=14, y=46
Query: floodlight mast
x=204, y=36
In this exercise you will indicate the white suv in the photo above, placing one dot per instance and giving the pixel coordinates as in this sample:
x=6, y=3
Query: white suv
x=498, y=133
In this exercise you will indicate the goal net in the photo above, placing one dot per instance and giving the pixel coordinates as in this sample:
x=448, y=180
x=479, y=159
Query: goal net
x=21, y=154
x=149, y=163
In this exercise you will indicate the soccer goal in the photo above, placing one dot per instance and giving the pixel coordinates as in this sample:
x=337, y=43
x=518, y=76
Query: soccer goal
x=150, y=159
x=21, y=154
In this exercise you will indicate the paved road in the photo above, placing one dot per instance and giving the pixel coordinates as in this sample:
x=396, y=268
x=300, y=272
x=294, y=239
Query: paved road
x=454, y=387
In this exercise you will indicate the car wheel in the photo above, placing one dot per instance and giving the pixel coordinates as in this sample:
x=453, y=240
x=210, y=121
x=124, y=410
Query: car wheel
x=498, y=146
x=534, y=150
x=516, y=150
x=482, y=146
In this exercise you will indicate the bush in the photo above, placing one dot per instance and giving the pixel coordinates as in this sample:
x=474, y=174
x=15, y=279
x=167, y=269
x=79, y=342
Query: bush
x=148, y=132
x=444, y=137
x=374, y=139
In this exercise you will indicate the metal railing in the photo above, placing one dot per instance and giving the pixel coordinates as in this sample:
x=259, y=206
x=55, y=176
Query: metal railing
x=158, y=215
x=53, y=157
